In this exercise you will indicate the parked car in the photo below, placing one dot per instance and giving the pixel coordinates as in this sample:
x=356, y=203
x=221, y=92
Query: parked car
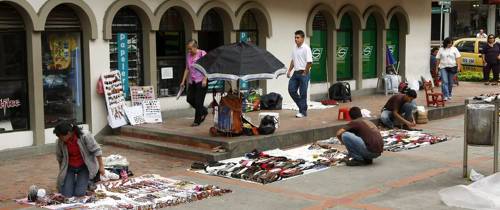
x=470, y=49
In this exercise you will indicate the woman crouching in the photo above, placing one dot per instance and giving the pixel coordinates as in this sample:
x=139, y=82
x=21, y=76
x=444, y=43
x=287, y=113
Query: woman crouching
x=79, y=157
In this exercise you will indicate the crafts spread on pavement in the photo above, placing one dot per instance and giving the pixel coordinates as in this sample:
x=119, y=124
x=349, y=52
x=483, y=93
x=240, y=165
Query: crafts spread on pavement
x=145, y=192
x=274, y=165
x=396, y=140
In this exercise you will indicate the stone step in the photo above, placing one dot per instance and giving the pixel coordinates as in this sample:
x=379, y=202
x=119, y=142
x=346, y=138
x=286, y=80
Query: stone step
x=158, y=134
x=176, y=150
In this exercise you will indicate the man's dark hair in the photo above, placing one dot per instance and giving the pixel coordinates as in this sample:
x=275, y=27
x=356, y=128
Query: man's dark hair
x=355, y=112
x=300, y=33
x=411, y=93
x=63, y=128
x=434, y=49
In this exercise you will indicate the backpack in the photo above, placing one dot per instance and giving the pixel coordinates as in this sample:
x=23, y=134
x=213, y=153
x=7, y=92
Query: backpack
x=267, y=125
x=271, y=101
x=403, y=87
x=340, y=91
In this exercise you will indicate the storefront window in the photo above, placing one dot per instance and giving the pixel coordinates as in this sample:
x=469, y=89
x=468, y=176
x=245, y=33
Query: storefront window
x=126, y=48
x=171, y=53
x=467, y=18
x=210, y=37
x=62, y=77
x=250, y=32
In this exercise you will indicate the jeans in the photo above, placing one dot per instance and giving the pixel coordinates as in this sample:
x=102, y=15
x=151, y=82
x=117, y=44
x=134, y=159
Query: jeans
x=486, y=72
x=406, y=112
x=447, y=82
x=76, y=181
x=196, y=98
x=357, y=147
x=299, y=82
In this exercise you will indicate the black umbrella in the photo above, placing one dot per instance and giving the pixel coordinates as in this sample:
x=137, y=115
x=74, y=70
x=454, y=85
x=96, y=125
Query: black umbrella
x=240, y=61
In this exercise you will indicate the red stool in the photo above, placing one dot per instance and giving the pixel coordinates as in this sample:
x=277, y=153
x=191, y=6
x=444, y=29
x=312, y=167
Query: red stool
x=344, y=112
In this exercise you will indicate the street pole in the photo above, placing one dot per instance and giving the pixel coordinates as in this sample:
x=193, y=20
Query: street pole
x=441, y=26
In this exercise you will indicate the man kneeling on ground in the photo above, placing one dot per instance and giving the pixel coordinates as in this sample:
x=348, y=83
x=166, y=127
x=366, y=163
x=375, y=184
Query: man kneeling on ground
x=361, y=138
x=399, y=109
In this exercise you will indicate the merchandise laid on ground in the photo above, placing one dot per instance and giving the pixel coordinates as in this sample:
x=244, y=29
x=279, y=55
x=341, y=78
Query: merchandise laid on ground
x=310, y=106
x=396, y=140
x=274, y=165
x=145, y=192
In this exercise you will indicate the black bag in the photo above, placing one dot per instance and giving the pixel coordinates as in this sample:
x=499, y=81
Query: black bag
x=340, y=91
x=271, y=101
x=267, y=125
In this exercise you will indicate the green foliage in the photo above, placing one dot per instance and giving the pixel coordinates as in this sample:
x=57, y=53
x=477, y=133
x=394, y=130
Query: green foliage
x=471, y=76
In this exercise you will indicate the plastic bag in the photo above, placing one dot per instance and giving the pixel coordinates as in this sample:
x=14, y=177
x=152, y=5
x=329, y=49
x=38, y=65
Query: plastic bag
x=483, y=194
x=475, y=176
x=109, y=176
x=115, y=160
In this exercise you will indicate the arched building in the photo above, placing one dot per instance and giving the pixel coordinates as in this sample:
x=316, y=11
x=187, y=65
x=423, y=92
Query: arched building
x=65, y=45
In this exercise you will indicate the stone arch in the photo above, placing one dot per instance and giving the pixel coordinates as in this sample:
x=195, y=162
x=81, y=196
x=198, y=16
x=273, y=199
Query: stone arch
x=260, y=13
x=27, y=12
x=85, y=14
x=403, y=18
x=326, y=11
x=222, y=9
x=187, y=13
x=148, y=20
x=353, y=12
x=379, y=15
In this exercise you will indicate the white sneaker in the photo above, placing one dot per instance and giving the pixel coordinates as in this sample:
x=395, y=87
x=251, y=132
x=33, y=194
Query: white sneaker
x=299, y=115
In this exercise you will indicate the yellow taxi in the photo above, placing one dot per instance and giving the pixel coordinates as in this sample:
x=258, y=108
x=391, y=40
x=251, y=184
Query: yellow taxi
x=470, y=49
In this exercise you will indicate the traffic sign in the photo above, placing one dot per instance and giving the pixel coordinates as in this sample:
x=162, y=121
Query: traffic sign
x=445, y=2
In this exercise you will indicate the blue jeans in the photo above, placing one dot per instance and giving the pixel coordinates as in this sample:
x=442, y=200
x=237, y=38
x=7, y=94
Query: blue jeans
x=406, y=112
x=447, y=82
x=357, y=147
x=76, y=181
x=299, y=82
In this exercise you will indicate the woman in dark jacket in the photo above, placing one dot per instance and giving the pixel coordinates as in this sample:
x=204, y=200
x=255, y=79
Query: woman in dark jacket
x=79, y=157
x=490, y=52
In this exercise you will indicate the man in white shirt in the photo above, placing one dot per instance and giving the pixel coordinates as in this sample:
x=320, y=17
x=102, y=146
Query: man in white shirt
x=481, y=34
x=299, y=78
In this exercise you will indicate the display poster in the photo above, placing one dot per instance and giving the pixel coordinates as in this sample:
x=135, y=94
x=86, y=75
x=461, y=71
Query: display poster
x=122, y=43
x=115, y=99
x=152, y=111
x=135, y=115
x=167, y=73
x=140, y=93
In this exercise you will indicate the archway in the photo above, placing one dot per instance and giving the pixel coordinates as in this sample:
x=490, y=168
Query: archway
x=126, y=48
x=211, y=35
x=14, y=114
x=399, y=27
x=370, y=48
x=392, y=40
x=63, y=75
x=249, y=32
x=319, y=46
x=344, y=55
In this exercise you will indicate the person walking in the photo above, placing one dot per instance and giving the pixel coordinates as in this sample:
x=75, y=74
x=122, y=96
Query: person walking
x=361, y=138
x=449, y=63
x=490, y=54
x=79, y=157
x=197, y=82
x=481, y=34
x=299, y=80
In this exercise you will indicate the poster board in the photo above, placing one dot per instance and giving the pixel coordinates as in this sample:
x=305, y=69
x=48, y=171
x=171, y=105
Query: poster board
x=115, y=99
x=140, y=93
x=152, y=111
x=135, y=115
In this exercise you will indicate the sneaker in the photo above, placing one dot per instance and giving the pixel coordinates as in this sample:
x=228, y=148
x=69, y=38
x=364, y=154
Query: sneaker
x=354, y=162
x=299, y=115
x=445, y=99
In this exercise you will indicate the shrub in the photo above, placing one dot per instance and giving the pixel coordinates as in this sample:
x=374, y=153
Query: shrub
x=471, y=76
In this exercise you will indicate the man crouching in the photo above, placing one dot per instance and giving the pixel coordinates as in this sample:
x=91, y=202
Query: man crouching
x=361, y=138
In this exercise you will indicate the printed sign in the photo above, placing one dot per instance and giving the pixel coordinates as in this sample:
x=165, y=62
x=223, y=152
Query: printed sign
x=167, y=73
x=140, y=93
x=316, y=54
x=468, y=61
x=135, y=115
x=115, y=99
x=152, y=111
x=122, y=43
x=342, y=52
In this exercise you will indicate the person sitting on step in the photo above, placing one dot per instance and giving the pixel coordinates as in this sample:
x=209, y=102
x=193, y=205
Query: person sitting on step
x=399, y=110
x=361, y=138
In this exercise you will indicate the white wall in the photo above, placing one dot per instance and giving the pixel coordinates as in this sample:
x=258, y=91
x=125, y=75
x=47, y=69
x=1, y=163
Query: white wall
x=287, y=16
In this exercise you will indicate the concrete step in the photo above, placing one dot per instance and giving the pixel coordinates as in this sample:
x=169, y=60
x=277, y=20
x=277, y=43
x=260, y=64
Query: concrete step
x=158, y=134
x=176, y=150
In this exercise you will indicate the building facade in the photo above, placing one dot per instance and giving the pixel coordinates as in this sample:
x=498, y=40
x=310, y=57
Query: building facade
x=53, y=52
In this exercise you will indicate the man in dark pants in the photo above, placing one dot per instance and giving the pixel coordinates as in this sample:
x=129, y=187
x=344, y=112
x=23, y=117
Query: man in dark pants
x=400, y=108
x=301, y=66
x=361, y=138
x=197, y=88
